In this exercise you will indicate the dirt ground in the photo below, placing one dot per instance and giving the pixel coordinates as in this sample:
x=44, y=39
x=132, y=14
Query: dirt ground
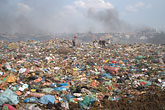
x=148, y=101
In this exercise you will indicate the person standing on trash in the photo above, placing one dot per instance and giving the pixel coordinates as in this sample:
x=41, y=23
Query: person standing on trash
x=102, y=43
x=74, y=41
x=94, y=43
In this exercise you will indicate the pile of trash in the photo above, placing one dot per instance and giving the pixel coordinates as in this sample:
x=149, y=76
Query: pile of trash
x=54, y=74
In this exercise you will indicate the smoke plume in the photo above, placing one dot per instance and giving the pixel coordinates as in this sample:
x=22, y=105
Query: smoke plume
x=109, y=19
x=52, y=16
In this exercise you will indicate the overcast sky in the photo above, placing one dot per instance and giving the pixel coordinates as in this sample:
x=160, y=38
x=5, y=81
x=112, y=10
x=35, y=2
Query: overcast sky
x=147, y=12
x=30, y=16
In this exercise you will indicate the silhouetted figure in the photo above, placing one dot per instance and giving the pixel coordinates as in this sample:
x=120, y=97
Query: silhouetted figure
x=94, y=43
x=102, y=43
x=73, y=42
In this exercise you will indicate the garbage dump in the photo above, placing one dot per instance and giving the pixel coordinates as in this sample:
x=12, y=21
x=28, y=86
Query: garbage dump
x=57, y=75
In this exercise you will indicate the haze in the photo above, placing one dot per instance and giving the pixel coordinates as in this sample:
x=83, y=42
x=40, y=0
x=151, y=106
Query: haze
x=79, y=16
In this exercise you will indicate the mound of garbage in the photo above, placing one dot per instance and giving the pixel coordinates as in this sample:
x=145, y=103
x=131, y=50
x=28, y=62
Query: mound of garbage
x=55, y=75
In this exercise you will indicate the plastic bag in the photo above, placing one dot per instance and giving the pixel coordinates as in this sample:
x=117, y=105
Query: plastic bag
x=47, y=98
x=8, y=96
x=48, y=90
x=8, y=107
x=11, y=79
x=31, y=99
x=32, y=107
x=60, y=89
x=107, y=75
x=63, y=84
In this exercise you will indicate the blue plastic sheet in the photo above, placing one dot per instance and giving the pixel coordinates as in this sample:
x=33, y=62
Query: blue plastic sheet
x=31, y=99
x=47, y=98
x=60, y=89
x=63, y=84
